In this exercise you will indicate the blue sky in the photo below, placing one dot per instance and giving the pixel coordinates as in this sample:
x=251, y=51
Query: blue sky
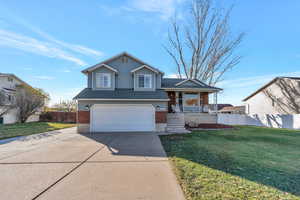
x=48, y=43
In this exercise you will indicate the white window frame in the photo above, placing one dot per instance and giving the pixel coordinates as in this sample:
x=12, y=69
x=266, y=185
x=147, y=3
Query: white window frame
x=100, y=81
x=145, y=76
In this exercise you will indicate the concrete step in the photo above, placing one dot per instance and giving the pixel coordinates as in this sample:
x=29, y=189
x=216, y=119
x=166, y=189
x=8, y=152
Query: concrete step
x=175, y=127
x=178, y=131
x=176, y=124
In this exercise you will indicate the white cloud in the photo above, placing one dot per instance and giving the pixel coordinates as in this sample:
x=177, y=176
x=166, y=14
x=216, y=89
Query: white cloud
x=165, y=8
x=73, y=47
x=44, y=77
x=32, y=45
x=161, y=8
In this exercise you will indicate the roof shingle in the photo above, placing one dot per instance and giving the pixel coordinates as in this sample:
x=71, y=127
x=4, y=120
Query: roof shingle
x=88, y=93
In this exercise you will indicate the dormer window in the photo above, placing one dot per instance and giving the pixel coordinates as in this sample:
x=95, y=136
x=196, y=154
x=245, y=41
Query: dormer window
x=145, y=81
x=103, y=80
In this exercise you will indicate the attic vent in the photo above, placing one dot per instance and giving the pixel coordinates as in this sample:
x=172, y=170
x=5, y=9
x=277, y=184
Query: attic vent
x=124, y=59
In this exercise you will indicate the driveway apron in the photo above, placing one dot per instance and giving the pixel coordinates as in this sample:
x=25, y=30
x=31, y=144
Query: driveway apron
x=67, y=165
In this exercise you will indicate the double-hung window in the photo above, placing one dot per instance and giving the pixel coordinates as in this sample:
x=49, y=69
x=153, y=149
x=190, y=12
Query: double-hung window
x=145, y=81
x=103, y=80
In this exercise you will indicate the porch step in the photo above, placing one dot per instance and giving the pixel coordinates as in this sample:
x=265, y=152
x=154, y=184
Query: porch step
x=176, y=123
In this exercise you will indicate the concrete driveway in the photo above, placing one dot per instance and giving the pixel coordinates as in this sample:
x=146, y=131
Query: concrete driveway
x=66, y=165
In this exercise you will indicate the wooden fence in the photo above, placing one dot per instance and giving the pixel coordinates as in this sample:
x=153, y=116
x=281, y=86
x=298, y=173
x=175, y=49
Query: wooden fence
x=67, y=117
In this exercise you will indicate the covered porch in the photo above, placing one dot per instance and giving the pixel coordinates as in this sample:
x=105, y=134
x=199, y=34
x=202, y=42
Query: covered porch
x=192, y=101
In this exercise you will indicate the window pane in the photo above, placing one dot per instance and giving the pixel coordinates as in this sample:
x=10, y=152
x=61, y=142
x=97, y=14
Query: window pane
x=147, y=82
x=141, y=81
x=191, y=100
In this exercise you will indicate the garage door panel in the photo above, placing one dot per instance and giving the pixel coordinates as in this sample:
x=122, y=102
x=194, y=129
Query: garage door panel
x=110, y=118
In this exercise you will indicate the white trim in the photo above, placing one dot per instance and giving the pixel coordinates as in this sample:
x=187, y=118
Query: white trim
x=104, y=65
x=186, y=80
x=97, y=99
x=144, y=66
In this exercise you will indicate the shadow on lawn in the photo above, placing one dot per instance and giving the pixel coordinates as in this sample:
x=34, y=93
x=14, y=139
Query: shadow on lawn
x=247, y=168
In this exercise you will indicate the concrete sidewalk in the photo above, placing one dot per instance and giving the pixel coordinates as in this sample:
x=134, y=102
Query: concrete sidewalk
x=67, y=165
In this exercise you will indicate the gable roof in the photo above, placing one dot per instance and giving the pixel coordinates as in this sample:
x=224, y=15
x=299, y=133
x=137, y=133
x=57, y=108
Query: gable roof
x=115, y=57
x=268, y=84
x=177, y=83
x=192, y=80
x=108, y=67
x=15, y=77
x=144, y=66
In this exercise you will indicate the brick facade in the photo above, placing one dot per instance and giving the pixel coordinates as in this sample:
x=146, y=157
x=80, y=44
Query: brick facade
x=161, y=117
x=83, y=117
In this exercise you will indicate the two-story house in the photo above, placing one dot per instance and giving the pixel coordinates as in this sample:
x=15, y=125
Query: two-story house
x=8, y=85
x=124, y=93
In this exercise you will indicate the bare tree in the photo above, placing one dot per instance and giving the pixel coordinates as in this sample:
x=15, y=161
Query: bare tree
x=5, y=104
x=65, y=106
x=285, y=96
x=203, y=47
x=29, y=101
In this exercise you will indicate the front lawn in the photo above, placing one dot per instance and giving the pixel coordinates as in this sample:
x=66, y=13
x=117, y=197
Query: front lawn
x=13, y=130
x=246, y=163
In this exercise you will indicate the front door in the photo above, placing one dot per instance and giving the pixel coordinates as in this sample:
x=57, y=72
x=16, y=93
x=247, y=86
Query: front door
x=172, y=101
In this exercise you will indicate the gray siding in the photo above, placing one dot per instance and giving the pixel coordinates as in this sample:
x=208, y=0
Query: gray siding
x=125, y=79
x=103, y=70
x=158, y=81
x=189, y=83
x=89, y=80
x=157, y=104
x=144, y=71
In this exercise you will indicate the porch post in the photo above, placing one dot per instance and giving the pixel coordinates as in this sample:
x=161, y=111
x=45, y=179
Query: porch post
x=200, y=101
x=177, y=107
x=177, y=98
x=216, y=102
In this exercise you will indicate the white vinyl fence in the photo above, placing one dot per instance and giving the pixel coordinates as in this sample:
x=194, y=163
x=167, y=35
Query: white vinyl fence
x=268, y=120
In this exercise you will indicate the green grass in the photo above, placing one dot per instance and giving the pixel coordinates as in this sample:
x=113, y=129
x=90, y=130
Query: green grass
x=13, y=130
x=246, y=163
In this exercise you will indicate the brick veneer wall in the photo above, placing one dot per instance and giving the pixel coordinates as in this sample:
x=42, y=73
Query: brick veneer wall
x=83, y=117
x=204, y=97
x=161, y=117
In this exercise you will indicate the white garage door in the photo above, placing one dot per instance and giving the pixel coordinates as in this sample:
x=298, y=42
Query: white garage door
x=125, y=117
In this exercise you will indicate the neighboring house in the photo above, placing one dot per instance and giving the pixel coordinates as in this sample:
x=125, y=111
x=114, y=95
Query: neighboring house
x=232, y=110
x=219, y=106
x=126, y=94
x=279, y=96
x=8, y=84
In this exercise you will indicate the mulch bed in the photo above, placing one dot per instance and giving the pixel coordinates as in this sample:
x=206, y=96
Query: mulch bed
x=209, y=126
